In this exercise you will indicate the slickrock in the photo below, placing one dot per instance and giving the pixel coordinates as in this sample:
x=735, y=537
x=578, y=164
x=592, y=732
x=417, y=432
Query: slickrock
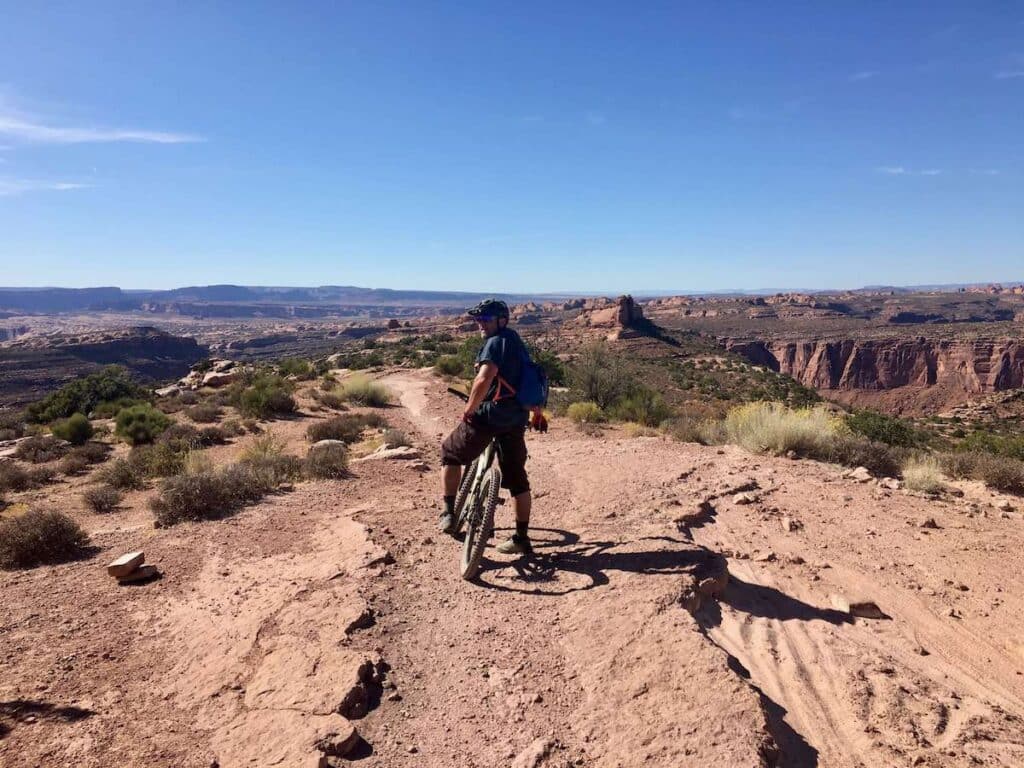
x=125, y=564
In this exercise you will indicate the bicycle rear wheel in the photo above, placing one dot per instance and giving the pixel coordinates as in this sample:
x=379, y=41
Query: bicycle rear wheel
x=461, y=502
x=479, y=523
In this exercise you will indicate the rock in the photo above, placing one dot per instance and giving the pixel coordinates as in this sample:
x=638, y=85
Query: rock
x=393, y=323
x=713, y=586
x=142, y=573
x=745, y=498
x=791, y=455
x=928, y=522
x=126, y=564
x=860, y=607
x=220, y=366
x=336, y=738
x=403, y=453
x=860, y=474
x=766, y=557
x=219, y=379
x=1005, y=506
x=534, y=754
x=326, y=443
x=169, y=391
x=789, y=524
x=364, y=620
x=891, y=483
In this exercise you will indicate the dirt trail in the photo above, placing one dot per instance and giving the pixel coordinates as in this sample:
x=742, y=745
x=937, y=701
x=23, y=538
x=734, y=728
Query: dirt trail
x=337, y=605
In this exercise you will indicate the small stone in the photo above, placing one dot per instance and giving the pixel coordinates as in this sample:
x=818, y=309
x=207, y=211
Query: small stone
x=125, y=564
x=891, y=483
x=789, y=524
x=928, y=522
x=860, y=607
x=412, y=749
x=791, y=454
x=766, y=557
x=534, y=754
x=860, y=474
x=745, y=498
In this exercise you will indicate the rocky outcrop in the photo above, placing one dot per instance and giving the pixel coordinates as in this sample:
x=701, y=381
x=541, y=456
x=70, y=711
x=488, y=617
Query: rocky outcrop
x=624, y=314
x=981, y=365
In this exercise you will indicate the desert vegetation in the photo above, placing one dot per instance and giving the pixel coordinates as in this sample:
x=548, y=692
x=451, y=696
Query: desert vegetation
x=111, y=385
x=39, y=537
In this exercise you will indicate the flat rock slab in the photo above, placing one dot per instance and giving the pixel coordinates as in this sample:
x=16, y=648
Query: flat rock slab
x=126, y=564
x=400, y=454
x=859, y=607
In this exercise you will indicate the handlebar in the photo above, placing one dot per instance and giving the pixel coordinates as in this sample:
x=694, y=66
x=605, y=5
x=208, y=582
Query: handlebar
x=459, y=394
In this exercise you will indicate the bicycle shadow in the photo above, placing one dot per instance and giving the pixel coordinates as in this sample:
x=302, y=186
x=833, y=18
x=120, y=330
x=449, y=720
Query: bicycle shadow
x=562, y=564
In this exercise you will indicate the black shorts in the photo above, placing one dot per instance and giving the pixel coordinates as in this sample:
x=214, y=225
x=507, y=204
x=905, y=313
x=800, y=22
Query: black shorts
x=467, y=441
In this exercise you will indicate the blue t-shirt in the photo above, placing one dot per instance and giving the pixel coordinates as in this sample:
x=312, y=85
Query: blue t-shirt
x=505, y=350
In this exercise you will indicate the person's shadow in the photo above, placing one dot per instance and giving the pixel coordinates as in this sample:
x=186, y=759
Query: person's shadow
x=16, y=709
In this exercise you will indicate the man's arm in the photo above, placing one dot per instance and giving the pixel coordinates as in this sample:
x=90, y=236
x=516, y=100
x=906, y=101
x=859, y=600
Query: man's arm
x=484, y=376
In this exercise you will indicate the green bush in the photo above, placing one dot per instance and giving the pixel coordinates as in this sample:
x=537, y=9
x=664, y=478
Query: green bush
x=266, y=458
x=600, y=377
x=38, y=537
x=12, y=425
x=884, y=429
x=585, y=412
x=999, y=445
x=101, y=499
x=157, y=460
x=294, y=366
x=109, y=409
x=84, y=394
x=204, y=413
x=363, y=391
x=76, y=429
x=266, y=397
x=449, y=365
x=141, y=424
x=327, y=462
x=642, y=406
x=40, y=449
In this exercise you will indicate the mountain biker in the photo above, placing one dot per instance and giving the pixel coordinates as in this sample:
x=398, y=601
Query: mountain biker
x=493, y=412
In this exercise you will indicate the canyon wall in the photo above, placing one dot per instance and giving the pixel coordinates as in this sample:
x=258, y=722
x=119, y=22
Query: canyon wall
x=968, y=367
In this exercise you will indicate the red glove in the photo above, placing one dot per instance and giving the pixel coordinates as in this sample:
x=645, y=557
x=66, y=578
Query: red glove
x=538, y=422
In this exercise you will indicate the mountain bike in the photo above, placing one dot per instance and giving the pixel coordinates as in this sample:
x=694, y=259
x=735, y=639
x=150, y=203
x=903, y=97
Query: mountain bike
x=475, y=504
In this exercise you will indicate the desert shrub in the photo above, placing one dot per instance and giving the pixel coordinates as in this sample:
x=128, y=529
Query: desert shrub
x=204, y=413
x=643, y=406
x=395, y=438
x=181, y=437
x=923, y=473
x=212, y=436
x=599, y=376
x=205, y=495
x=363, y=391
x=84, y=394
x=252, y=426
x=38, y=537
x=634, y=429
x=999, y=472
x=123, y=474
x=13, y=477
x=327, y=462
x=330, y=400
x=348, y=428
x=188, y=397
x=267, y=396
x=75, y=429
x=232, y=428
x=101, y=498
x=884, y=429
x=585, y=412
x=685, y=429
x=266, y=457
x=40, y=449
x=295, y=366
x=141, y=424
x=857, y=451
x=449, y=365
x=373, y=420
x=1011, y=446
x=158, y=459
x=40, y=476
x=94, y=453
x=73, y=464
x=774, y=428
x=12, y=425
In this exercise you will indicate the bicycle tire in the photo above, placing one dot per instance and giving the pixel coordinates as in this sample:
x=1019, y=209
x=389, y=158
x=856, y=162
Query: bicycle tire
x=477, y=530
x=468, y=473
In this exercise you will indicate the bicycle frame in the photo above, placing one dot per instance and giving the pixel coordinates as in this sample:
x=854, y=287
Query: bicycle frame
x=483, y=465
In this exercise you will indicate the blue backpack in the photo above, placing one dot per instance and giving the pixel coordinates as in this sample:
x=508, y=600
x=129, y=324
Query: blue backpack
x=533, y=384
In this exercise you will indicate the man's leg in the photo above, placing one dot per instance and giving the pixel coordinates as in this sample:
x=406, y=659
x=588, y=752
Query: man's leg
x=464, y=444
x=513, y=457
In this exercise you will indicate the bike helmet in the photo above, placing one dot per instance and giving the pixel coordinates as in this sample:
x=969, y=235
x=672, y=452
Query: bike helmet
x=489, y=308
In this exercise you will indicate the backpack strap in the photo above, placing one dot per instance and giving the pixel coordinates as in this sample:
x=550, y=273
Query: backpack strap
x=502, y=384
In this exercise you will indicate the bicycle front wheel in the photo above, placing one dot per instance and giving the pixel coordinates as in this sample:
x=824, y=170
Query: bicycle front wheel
x=462, y=503
x=480, y=520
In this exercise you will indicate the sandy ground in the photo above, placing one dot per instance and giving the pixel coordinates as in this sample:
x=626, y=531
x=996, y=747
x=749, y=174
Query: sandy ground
x=274, y=632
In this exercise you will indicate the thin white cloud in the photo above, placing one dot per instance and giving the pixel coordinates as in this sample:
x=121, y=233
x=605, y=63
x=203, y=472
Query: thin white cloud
x=25, y=129
x=899, y=170
x=13, y=187
x=867, y=74
x=1009, y=74
x=985, y=171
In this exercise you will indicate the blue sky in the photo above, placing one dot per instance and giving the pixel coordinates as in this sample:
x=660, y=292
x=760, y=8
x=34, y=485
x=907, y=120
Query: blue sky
x=529, y=146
